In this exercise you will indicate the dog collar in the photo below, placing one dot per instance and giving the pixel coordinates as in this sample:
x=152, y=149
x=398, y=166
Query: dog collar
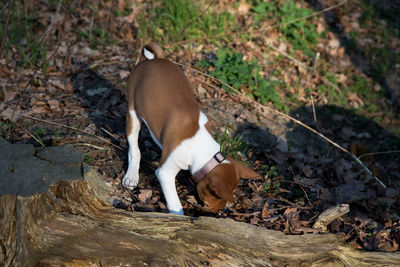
x=208, y=167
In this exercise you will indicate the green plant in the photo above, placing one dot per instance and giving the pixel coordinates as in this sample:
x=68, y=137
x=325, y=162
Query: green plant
x=175, y=20
x=231, y=145
x=365, y=88
x=126, y=11
x=269, y=171
x=39, y=134
x=56, y=136
x=302, y=34
x=271, y=188
x=232, y=69
x=87, y=158
x=5, y=128
x=263, y=10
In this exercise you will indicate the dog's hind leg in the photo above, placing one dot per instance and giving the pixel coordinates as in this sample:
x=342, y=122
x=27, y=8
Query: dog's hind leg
x=131, y=178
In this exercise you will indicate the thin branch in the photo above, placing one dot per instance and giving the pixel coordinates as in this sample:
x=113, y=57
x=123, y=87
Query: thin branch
x=4, y=7
x=292, y=204
x=245, y=214
x=90, y=145
x=4, y=37
x=102, y=63
x=302, y=188
x=314, y=112
x=49, y=28
x=72, y=128
x=316, y=13
x=262, y=107
x=378, y=153
x=33, y=136
x=297, y=62
x=113, y=136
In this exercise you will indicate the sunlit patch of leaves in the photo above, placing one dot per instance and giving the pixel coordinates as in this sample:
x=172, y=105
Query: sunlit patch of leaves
x=175, y=20
x=303, y=34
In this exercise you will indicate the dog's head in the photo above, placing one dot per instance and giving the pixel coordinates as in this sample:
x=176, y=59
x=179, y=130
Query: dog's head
x=216, y=188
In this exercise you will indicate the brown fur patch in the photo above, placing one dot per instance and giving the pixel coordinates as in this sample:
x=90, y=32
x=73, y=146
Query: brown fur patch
x=161, y=94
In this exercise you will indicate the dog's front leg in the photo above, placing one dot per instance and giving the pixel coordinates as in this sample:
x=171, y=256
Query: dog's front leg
x=166, y=176
x=131, y=178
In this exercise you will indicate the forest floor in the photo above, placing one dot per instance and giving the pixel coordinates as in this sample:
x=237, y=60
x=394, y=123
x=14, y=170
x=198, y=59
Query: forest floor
x=334, y=66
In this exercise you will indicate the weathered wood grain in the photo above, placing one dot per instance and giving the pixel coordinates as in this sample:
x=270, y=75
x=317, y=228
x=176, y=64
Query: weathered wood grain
x=72, y=225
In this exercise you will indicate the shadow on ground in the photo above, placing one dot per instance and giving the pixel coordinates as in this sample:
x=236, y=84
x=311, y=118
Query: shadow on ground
x=329, y=175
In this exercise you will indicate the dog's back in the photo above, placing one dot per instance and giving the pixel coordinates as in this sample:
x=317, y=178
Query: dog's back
x=162, y=96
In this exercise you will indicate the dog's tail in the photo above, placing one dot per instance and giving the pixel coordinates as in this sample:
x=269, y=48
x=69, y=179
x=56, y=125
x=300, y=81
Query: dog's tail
x=151, y=51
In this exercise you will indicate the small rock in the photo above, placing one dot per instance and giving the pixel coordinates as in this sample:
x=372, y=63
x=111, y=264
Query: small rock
x=281, y=145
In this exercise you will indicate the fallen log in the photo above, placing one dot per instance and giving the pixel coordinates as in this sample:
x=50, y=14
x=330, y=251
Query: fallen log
x=73, y=225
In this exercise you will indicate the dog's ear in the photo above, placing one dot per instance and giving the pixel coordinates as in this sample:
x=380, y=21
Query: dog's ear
x=222, y=190
x=244, y=171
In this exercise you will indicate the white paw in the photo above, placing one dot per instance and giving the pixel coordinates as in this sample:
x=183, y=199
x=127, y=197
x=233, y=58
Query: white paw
x=130, y=182
x=180, y=212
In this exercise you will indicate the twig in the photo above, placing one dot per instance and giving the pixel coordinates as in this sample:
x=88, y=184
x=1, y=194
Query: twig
x=292, y=204
x=73, y=128
x=288, y=207
x=102, y=63
x=90, y=145
x=28, y=132
x=316, y=13
x=261, y=107
x=378, y=153
x=206, y=83
x=245, y=214
x=108, y=19
x=297, y=62
x=4, y=7
x=112, y=135
x=314, y=113
x=4, y=37
x=140, y=52
x=317, y=55
x=49, y=28
x=302, y=188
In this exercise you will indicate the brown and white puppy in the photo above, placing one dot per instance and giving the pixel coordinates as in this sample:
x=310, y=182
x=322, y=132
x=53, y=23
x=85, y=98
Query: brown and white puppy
x=160, y=95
